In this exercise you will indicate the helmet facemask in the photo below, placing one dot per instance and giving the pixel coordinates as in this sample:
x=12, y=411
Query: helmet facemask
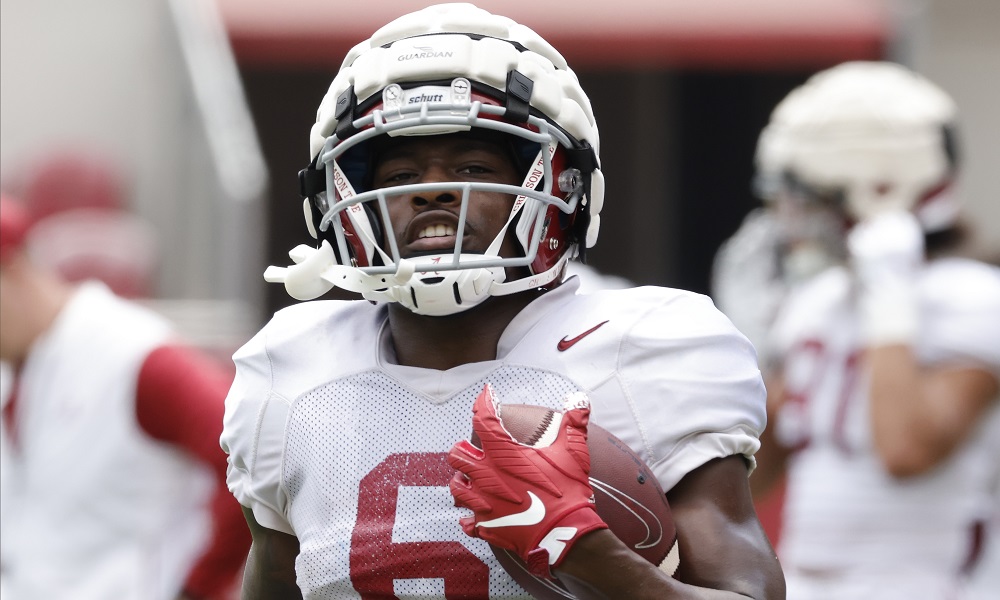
x=811, y=227
x=547, y=204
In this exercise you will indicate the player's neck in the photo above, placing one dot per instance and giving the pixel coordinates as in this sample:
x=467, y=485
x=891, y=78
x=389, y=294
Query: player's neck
x=445, y=342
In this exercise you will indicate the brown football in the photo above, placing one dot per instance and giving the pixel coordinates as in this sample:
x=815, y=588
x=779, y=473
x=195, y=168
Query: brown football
x=628, y=497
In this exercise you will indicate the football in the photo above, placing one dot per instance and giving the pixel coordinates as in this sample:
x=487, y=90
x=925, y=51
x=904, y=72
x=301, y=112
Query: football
x=628, y=497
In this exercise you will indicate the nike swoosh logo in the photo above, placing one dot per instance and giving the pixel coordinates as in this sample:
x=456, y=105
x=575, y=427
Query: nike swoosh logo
x=654, y=529
x=565, y=344
x=532, y=515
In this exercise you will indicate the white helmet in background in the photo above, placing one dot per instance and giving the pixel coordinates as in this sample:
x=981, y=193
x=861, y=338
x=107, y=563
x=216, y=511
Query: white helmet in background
x=441, y=70
x=877, y=136
x=851, y=142
x=797, y=234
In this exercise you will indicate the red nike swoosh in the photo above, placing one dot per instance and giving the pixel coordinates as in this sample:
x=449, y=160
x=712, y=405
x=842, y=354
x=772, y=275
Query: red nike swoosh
x=565, y=344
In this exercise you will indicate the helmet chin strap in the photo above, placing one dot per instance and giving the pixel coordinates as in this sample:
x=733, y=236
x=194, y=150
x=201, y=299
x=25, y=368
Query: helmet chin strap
x=534, y=281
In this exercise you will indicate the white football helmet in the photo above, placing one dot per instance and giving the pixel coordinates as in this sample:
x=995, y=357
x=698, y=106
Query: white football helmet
x=851, y=142
x=445, y=69
x=878, y=137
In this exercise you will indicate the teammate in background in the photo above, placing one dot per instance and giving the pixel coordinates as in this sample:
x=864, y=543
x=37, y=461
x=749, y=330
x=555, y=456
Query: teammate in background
x=113, y=484
x=883, y=401
x=465, y=162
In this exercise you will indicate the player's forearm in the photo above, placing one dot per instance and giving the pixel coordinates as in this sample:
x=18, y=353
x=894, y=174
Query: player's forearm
x=600, y=567
x=895, y=408
x=919, y=417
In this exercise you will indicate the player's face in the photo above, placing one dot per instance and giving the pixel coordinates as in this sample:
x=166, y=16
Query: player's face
x=426, y=222
x=811, y=232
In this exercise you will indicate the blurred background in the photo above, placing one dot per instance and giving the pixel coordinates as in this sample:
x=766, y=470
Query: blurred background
x=195, y=114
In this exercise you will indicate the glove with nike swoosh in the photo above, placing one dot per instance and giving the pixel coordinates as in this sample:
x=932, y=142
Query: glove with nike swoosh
x=533, y=500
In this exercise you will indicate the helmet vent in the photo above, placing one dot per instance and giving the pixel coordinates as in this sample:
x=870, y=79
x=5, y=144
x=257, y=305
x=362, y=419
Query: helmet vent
x=518, y=102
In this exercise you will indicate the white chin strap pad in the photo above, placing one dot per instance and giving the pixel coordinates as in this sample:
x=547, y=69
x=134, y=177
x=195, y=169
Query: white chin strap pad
x=445, y=293
x=316, y=272
x=434, y=294
x=427, y=294
x=303, y=279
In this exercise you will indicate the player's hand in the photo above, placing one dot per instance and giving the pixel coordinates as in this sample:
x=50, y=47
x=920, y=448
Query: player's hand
x=886, y=253
x=888, y=246
x=535, y=501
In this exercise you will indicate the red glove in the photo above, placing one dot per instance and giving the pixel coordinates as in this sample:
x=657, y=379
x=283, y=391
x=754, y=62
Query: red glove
x=535, y=501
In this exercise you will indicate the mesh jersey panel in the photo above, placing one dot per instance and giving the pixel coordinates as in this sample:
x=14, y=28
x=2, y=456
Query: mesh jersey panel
x=369, y=495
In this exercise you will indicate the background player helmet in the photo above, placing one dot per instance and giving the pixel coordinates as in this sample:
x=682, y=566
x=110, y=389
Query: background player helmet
x=445, y=69
x=71, y=180
x=878, y=137
x=851, y=142
x=800, y=234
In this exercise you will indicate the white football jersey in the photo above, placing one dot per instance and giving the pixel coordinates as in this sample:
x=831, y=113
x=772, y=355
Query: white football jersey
x=846, y=519
x=333, y=442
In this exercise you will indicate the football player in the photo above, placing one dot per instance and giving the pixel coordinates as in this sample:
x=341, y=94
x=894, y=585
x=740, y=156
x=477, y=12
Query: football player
x=884, y=401
x=455, y=170
x=754, y=269
x=113, y=484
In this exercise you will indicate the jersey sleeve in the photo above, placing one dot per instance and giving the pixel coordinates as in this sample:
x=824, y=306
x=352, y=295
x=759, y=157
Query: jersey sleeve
x=695, y=385
x=253, y=437
x=961, y=316
x=179, y=400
